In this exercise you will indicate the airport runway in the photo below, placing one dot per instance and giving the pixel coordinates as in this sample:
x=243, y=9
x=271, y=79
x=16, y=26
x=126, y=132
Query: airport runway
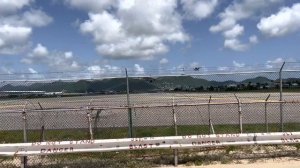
x=138, y=99
x=53, y=118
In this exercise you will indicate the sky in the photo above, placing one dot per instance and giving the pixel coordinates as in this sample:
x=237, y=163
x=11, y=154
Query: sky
x=106, y=36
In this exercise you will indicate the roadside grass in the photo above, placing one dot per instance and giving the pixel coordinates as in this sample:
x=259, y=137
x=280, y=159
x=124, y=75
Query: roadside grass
x=145, y=158
x=112, y=133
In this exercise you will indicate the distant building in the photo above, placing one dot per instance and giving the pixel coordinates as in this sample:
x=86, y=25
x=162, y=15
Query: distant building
x=232, y=85
x=295, y=85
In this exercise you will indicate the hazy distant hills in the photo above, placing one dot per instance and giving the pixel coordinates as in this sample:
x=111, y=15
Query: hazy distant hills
x=258, y=80
x=136, y=84
x=196, y=82
x=82, y=86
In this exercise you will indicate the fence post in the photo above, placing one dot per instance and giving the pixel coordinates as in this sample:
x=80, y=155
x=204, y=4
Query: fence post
x=24, y=116
x=280, y=97
x=266, y=114
x=240, y=114
x=89, y=118
x=42, y=136
x=96, y=121
x=211, y=127
x=90, y=124
x=130, y=134
x=176, y=132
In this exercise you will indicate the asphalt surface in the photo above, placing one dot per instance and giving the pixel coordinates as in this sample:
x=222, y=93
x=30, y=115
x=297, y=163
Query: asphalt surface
x=115, y=114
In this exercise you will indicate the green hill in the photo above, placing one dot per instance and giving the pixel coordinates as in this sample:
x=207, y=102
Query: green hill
x=181, y=81
x=259, y=79
x=83, y=86
x=147, y=84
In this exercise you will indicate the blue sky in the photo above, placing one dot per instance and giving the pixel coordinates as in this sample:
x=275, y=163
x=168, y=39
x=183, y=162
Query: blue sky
x=106, y=36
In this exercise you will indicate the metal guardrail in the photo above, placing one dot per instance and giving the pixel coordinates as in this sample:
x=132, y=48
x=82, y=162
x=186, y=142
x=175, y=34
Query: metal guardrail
x=168, y=142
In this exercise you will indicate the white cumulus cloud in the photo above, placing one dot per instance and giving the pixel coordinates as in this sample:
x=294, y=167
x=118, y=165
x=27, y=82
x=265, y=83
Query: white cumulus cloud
x=31, y=70
x=40, y=51
x=36, y=18
x=34, y=74
x=236, y=31
x=235, y=12
x=104, y=28
x=13, y=38
x=286, y=21
x=276, y=63
x=139, y=70
x=54, y=60
x=223, y=25
x=106, y=70
x=92, y=5
x=17, y=25
x=235, y=44
x=163, y=61
x=253, y=39
x=198, y=9
x=135, y=28
x=95, y=70
x=223, y=68
x=11, y=6
x=238, y=65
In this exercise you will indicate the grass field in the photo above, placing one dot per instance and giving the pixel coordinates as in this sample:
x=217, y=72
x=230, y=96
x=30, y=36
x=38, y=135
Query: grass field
x=112, y=133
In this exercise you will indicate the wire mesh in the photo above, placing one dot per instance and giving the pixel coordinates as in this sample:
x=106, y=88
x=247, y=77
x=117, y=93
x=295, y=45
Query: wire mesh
x=176, y=104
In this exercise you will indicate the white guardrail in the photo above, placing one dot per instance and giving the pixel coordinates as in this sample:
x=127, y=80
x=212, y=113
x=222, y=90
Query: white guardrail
x=169, y=142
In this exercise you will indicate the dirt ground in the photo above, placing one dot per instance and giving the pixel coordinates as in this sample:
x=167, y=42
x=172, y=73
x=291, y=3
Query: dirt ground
x=285, y=162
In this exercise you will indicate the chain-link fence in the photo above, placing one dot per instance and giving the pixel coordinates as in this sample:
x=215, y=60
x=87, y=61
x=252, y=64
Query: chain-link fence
x=57, y=110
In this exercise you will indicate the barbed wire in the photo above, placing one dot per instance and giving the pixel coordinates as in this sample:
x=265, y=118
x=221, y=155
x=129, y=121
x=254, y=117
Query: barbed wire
x=151, y=72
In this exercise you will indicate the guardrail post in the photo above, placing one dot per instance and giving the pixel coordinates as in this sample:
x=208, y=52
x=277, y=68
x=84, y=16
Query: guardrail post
x=211, y=127
x=240, y=114
x=176, y=132
x=266, y=114
x=280, y=97
x=24, y=158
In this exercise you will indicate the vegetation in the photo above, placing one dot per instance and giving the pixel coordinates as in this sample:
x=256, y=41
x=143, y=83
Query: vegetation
x=139, y=158
x=179, y=83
